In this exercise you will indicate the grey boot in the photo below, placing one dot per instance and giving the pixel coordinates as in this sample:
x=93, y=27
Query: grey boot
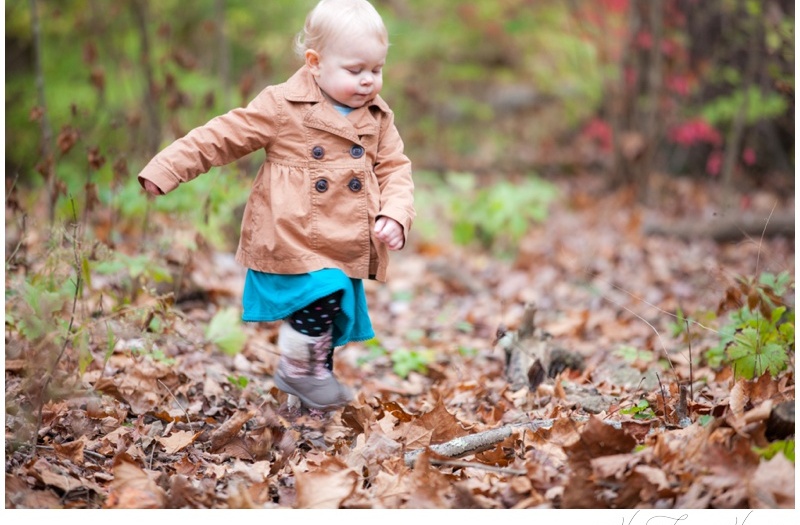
x=302, y=371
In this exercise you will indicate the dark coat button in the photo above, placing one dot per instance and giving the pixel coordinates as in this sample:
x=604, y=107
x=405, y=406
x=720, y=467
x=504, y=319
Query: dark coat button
x=354, y=184
x=317, y=152
x=356, y=152
x=321, y=185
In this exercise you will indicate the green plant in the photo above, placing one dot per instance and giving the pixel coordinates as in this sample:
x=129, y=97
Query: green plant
x=403, y=361
x=225, y=331
x=496, y=216
x=131, y=272
x=406, y=361
x=376, y=351
x=759, y=335
x=239, y=382
x=631, y=354
x=641, y=410
x=723, y=110
x=785, y=447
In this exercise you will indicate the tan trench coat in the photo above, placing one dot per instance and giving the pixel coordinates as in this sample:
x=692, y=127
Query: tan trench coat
x=325, y=180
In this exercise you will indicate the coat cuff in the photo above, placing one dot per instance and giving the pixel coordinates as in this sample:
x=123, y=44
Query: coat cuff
x=160, y=176
x=401, y=216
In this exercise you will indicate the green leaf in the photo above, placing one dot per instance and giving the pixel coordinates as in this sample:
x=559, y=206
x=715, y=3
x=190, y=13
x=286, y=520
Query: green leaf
x=407, y=361
x=239, y=381
x=225, y=331
x=85, y=356
x=753, y=356
x=705, y=419
x=785, y=447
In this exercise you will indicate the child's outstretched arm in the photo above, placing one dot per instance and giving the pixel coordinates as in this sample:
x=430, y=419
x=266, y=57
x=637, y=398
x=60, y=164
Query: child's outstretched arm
x=220, y=141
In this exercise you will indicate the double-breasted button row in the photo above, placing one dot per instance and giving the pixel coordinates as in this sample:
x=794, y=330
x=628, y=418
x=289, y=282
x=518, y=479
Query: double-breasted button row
x=355, y=185
x=356, y=152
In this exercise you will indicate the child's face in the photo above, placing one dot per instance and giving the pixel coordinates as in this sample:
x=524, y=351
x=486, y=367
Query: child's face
x=349, y=71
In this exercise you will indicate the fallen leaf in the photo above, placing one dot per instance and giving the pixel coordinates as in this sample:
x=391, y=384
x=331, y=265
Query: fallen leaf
x=177, y=441
x=325, y=488
x=132, y=488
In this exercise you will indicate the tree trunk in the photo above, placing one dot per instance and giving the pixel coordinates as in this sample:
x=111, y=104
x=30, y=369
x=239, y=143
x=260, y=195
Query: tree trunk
x=734, y=139
x=45, y=142
x=153, y=134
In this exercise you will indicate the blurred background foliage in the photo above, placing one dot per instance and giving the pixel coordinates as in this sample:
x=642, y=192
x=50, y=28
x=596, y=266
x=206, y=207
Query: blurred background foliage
x=488, y=96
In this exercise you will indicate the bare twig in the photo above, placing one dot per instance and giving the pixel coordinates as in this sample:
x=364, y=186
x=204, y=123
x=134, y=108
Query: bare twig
x=663, y=397
x=475, y=443
x=185, y=413
x=691, y=366
x=90, y=453
x=67, y=338
x=683, y=406
x=482, y=466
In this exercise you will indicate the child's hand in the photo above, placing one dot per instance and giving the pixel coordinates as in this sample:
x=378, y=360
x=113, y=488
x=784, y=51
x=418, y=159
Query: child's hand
x=389, y=232
x=151, y=188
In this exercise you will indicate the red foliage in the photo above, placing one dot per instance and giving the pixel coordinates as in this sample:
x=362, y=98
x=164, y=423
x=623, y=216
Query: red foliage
x=714, y=163
x=599, y=131
x=695, y=131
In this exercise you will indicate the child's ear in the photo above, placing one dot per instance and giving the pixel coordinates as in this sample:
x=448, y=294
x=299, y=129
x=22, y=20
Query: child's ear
x=312, y=61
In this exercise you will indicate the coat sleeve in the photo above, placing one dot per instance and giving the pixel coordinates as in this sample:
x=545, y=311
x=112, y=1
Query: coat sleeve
x=393, y=170
x=220, y=141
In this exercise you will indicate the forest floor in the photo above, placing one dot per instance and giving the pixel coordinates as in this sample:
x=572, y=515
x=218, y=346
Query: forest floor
x=162, y=418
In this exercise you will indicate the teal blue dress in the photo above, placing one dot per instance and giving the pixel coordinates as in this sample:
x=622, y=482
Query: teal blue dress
x=272, y=297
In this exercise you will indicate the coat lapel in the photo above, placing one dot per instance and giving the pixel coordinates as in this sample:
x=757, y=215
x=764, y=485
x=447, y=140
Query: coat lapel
x=322, y=115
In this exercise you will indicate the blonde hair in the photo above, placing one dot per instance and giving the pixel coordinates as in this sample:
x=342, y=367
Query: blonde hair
x=332, y=18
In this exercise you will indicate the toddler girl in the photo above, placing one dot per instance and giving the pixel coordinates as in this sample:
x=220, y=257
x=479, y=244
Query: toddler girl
x=333, y=195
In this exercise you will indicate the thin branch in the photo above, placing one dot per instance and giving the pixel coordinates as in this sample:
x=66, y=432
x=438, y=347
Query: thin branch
x=663, y=398
x=67, y=338
x=691, y=365
x=475, y=443
x=44, y=121
x=185, y=413
x=469, y=464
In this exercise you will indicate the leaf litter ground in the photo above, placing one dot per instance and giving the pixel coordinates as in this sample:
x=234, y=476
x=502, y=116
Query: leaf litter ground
x=189, y=426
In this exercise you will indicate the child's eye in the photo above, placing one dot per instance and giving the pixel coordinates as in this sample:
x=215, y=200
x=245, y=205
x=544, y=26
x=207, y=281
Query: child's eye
x=354, y=71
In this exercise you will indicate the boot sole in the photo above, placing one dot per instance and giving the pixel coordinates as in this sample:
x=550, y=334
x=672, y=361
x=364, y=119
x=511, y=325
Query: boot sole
x=285, y=387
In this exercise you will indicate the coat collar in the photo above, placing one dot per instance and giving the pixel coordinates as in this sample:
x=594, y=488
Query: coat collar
x=301, y=87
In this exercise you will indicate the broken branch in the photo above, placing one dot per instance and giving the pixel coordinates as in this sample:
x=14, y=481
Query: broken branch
x=474, y=443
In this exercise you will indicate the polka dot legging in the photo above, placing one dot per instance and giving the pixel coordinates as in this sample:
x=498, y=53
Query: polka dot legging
x=316, y=319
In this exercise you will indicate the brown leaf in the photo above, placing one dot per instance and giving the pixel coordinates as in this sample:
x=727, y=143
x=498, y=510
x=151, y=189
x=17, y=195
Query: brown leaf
x=54, y=475
x=132, y=488
x=230, y=428
x=327, y=487
x=428, y=485
x=98, y=78
x=72, y=450
x=443, y=425
x=96, y=160
x=66, y=139
x=772, y=485
x=36, y=114
x=177, y=441
x=20, y=496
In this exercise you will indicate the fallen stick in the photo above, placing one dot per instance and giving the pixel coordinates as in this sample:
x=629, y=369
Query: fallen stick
x=474, y=443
